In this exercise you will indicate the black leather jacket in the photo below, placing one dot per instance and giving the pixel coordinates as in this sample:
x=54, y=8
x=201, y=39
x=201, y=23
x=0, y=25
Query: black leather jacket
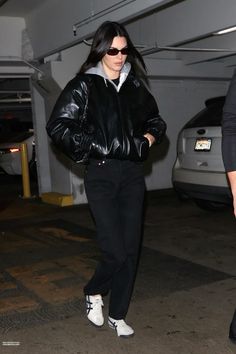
x=95, y=118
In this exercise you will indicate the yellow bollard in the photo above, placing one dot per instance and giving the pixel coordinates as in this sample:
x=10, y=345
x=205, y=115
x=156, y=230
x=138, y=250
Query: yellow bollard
x=25, y=171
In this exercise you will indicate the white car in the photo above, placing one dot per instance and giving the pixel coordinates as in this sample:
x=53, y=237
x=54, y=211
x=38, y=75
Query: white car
x=199, y=171
x=12, y=135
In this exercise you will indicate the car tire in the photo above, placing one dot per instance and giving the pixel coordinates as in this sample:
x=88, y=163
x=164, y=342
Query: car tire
x=210, y=205
x=180, y=195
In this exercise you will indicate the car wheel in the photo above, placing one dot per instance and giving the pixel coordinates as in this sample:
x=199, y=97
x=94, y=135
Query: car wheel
x=210, y=205
x=181, y=195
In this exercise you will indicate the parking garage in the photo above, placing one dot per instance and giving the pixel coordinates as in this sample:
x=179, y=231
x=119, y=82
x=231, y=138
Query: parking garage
x=184, y=294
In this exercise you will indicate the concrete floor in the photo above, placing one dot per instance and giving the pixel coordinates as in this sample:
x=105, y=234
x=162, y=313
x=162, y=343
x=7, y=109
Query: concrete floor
x=184, y=295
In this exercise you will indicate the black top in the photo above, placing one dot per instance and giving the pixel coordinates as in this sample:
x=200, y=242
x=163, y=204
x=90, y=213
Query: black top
x=229, y=127
x=116, y=81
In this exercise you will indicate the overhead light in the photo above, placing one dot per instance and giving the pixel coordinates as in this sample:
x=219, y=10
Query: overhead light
x=226, y=30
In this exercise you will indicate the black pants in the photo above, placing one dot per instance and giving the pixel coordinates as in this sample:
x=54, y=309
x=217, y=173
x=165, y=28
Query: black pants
x=115, y=192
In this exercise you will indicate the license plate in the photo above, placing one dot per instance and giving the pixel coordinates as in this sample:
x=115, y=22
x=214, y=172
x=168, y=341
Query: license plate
x=203, y=144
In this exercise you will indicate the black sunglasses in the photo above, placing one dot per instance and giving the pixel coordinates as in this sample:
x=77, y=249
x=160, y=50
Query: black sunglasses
x=115, y=51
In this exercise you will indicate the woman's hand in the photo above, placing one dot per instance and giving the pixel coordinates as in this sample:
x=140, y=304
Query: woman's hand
x=150, y=138
x=232, y=181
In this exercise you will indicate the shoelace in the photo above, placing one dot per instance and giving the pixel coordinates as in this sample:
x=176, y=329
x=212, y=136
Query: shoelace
x=115, y=323
x=95, y=303
x=88, y=306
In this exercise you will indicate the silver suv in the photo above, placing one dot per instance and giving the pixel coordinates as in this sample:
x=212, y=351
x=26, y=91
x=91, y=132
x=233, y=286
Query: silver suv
x=199, y=171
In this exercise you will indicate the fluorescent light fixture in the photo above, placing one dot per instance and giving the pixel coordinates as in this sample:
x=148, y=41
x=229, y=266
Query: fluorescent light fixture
x=226, y=30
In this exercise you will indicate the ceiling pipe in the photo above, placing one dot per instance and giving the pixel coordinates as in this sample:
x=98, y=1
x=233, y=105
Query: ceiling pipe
x=186, y=49
x=99, y=14
x=151, y=50
x=12, y=58
x=89, y=43
x=155, y=49
x=17, y=92
x=15, y=100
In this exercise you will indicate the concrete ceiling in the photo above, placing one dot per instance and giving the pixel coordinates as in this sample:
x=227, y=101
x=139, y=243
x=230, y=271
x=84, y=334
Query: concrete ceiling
x=206, y=47
x=183, y=32
x=186, y=31
x=18, y=8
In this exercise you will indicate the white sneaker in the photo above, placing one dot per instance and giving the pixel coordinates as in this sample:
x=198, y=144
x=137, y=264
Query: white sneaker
x=94, y=306
x=121, y=327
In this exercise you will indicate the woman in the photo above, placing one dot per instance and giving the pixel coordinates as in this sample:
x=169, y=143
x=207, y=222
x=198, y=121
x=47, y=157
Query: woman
x=229, y=158
x=107, y=118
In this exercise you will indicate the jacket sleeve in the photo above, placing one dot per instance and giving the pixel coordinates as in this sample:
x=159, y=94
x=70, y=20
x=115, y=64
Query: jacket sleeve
x=229, y=128
x=154, y=124
x=67, y=124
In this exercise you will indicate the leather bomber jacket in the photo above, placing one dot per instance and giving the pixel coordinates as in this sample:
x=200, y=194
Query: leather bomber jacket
x=94, y=118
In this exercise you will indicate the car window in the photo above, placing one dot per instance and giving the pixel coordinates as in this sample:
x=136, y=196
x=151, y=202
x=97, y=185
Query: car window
x=209, y=116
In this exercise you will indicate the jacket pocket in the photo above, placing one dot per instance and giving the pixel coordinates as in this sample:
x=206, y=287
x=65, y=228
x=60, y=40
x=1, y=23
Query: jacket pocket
x=142, y=147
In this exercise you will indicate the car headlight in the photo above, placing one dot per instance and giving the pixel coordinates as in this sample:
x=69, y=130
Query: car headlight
x=14, y=150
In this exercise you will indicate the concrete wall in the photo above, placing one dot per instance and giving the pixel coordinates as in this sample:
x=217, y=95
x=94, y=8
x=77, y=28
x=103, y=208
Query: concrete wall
x=69, y=63
x=56, y=172
x=12, y=30
x=11, y=36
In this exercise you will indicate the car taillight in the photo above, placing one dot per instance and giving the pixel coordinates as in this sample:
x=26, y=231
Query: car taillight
x=14, y=150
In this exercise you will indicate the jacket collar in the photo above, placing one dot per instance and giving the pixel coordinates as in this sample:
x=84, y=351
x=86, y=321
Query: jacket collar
x=98, y=70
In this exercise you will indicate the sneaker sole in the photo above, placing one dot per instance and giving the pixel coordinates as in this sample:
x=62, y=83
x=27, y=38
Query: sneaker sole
x=122, y=335
x=94, y=324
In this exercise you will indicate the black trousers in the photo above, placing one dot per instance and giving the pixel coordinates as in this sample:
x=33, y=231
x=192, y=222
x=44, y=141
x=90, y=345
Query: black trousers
x=115, y=191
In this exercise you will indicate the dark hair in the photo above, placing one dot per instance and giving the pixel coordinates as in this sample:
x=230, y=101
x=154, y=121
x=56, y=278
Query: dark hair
x=102, y=41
